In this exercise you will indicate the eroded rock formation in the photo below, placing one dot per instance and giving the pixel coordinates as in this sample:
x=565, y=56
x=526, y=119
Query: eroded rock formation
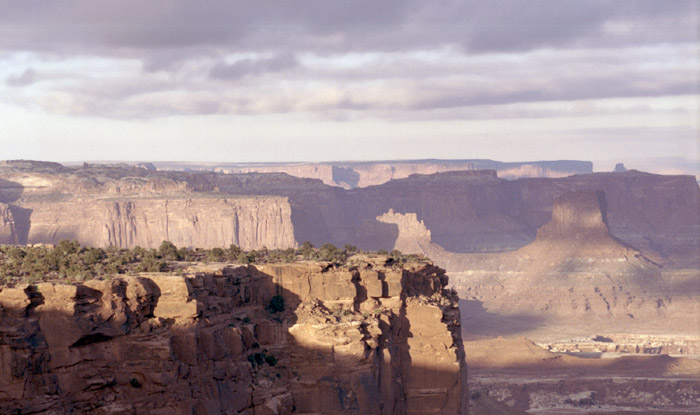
x=364, y=339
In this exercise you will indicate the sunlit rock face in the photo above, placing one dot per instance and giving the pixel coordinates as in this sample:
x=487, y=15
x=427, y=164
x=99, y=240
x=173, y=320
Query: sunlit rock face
x=116, y=207
x=250, y=223
x=370, y=338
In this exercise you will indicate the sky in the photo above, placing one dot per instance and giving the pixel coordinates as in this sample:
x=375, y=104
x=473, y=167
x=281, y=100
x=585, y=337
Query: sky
x=321, y=80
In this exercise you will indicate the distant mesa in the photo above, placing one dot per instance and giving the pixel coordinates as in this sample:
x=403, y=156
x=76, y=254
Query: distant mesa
x=351, y=174
x=620, y=168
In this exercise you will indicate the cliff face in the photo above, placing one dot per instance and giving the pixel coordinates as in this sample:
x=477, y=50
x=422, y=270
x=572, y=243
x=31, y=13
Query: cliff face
x=576, y=215
x=110, y=207
x=475, y=211
x=250, y=223
x=648, y=211
x=363, y=340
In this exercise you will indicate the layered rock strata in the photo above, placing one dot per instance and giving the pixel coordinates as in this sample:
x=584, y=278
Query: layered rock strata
x=251, y=223
x=364, y=339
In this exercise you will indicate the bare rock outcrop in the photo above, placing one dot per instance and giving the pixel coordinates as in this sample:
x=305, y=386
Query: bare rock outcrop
x=413, y=234
x=367, y=339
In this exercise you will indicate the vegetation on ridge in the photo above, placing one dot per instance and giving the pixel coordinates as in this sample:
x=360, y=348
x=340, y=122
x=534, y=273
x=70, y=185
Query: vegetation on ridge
x=69, y=261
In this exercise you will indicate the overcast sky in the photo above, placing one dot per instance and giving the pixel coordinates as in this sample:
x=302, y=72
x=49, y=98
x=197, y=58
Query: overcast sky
x=348, y=80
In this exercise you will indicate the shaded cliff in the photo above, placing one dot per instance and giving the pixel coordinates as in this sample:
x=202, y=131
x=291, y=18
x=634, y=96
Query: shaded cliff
x=475, y=211
x=576, y=239
x=369, y=338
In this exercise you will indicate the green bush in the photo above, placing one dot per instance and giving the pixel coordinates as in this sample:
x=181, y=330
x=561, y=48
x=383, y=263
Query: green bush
x=276, y=304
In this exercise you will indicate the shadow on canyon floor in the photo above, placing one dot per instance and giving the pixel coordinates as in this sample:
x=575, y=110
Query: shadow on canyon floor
x=478, y=323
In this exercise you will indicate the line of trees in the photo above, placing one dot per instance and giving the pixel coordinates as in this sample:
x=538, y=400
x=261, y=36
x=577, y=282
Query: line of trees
x=70, y=261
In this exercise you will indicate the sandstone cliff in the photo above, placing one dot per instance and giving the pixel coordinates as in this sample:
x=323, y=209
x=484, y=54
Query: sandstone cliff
x=113, y=206
x=250, y=223
x=365, y=339
x=413, y=235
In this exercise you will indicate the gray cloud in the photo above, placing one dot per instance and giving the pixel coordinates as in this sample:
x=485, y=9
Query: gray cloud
x=136, y=28
x=499, y=52
x=252, y=67
x=27, y=77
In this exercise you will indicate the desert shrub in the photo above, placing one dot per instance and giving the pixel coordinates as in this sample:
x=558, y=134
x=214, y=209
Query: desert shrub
x=307, y=250
x=233, y=252
x=271, y=360
x=169, y=251
x=276, y=304
x=216, y=255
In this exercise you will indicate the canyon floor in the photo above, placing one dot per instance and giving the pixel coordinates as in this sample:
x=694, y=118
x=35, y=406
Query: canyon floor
x=522, y=363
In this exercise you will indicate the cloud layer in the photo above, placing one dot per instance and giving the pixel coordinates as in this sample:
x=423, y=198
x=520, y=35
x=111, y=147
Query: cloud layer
x=392, y=60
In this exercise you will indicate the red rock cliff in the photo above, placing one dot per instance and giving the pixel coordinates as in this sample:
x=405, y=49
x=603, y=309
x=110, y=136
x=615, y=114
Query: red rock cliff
x=367, y=339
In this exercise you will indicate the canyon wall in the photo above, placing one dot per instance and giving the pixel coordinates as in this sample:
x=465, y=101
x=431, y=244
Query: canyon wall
x=249, y=222
x=467, y=211
x=365, y=339
x=475, y=211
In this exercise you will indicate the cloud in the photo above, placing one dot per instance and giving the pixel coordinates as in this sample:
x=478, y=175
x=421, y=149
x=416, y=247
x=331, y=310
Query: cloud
x=27, y=77
x=339, y=59
x=137, y=28
x=252, y=67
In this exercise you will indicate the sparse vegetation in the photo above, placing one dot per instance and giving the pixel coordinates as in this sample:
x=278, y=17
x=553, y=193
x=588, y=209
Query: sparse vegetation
x=71, y=262
x=259, y=358
x=276, y=304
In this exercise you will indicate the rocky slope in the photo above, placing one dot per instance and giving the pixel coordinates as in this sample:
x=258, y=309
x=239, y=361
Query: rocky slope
x=367, y=338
